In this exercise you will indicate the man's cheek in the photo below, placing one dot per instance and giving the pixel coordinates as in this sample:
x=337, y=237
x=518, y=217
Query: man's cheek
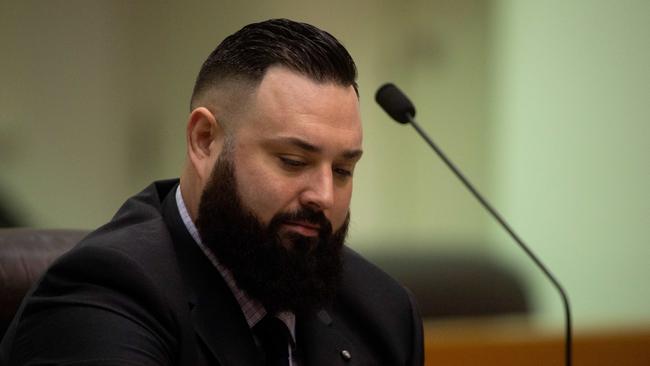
x=260, y=195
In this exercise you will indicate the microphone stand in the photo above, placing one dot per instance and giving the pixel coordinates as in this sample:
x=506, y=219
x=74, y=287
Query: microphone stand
x=513, y=235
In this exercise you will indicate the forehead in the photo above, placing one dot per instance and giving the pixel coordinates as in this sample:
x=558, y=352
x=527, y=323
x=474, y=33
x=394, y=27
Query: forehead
x=287, y=104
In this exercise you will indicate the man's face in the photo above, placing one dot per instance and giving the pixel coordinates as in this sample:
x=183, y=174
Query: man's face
x=297, y=146
x=276, y=207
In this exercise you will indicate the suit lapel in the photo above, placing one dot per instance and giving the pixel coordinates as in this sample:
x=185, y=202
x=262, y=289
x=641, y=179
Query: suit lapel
x=215, y=314
x=321, y=343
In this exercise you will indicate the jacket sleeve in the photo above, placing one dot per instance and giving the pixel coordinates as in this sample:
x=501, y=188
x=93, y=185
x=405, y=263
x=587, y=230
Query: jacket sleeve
x=95, y=306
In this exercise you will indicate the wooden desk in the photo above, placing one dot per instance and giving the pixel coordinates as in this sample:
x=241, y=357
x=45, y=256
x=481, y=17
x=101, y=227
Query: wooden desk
x=517, y=343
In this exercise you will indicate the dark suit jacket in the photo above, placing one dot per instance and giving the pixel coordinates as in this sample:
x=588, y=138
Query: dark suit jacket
x=139, y=291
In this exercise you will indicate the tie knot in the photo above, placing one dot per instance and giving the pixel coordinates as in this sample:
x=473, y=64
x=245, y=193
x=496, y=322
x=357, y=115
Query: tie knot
x=274, y=337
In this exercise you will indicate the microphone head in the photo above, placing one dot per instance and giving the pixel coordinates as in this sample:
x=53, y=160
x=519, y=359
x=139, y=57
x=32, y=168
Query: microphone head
x=395, y=103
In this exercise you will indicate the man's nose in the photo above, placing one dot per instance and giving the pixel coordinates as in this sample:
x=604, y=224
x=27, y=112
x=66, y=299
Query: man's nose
x=319, y=189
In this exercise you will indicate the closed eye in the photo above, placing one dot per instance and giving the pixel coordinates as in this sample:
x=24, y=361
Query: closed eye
x=291, y=163
x=343, y=173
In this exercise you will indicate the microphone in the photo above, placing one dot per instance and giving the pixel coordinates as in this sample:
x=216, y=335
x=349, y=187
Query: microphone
x=395, y=103
x=400, y=108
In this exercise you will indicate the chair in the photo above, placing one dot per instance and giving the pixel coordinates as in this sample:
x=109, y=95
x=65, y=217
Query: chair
x=24, y=256
x=458, y=285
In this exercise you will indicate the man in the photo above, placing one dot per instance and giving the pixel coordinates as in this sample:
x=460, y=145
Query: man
x=242, y=262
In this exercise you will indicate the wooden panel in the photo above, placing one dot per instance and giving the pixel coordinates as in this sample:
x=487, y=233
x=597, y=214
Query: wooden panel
x=518, y=343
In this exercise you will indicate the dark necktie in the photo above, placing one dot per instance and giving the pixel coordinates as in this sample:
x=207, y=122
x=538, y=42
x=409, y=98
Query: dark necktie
x=274, y=337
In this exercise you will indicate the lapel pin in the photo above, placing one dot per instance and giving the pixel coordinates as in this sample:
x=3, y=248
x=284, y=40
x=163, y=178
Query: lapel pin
x=345, y=354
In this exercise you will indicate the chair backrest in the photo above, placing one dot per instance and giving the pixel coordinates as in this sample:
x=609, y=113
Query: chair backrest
x=459, y=285
x=24, y=255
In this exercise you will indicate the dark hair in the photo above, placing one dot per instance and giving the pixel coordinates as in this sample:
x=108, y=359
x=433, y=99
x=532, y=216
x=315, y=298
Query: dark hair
x=249, y=52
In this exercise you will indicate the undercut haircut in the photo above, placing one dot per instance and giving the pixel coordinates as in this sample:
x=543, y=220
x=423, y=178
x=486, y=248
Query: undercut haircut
x=246, y=55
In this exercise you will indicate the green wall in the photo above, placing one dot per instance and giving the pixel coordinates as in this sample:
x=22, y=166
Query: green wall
x=571, y=125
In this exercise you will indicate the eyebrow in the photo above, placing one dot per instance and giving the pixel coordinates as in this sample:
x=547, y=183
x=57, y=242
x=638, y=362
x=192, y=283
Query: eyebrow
x=304, y=145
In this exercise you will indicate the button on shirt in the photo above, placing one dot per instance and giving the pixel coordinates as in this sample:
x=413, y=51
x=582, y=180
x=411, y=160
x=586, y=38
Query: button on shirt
x=253, y=310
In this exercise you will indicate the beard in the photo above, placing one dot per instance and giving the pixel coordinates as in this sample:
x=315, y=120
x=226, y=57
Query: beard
x=283, y=271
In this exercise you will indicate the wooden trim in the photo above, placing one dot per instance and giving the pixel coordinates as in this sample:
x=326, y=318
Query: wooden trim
x=519, y=343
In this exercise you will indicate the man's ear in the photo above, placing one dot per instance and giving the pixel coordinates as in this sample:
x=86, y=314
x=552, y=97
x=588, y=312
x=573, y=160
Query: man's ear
x=205, y=138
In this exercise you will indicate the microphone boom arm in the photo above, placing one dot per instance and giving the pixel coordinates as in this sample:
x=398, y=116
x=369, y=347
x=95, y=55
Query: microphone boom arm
x=506, y=227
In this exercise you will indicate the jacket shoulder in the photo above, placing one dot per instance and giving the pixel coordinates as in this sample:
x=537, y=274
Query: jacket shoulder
x=118, y=289
x=379, y=312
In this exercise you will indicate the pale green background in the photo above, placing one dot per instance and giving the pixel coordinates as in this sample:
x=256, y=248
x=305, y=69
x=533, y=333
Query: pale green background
x=544, y=104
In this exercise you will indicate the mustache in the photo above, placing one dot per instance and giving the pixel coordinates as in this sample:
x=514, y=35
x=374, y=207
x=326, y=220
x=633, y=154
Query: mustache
x=305, y=214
